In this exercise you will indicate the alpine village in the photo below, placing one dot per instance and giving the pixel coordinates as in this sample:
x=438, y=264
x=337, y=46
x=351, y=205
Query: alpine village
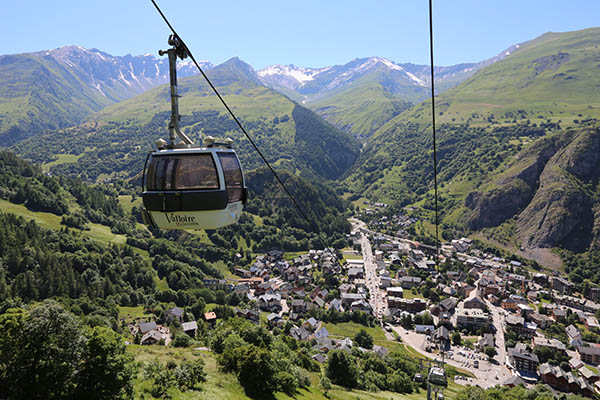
x=334, y=269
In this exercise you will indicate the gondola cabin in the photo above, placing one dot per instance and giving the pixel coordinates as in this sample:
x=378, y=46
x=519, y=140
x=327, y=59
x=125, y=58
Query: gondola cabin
x=193, y=188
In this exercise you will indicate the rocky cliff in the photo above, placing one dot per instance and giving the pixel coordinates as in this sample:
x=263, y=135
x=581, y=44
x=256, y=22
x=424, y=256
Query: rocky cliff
x=551, y=189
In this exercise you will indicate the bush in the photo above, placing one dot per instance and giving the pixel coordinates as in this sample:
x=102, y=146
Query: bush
x=182, y=340
x=364, y=339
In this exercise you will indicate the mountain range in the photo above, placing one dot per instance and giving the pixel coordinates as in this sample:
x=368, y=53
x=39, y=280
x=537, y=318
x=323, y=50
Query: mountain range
x=510, y=128
x=57, y=88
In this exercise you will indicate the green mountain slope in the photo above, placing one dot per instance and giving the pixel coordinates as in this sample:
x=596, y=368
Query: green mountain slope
x=554, y=76
x=362, y=108
x=115, y=143
x=548, y=85
x=38, y=93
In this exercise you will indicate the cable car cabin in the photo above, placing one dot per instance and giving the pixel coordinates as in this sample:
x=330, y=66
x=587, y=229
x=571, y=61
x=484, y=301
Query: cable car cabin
x=201, y=188
x=437, y=376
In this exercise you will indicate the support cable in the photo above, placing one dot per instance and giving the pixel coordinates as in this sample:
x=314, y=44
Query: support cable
x=435, y=180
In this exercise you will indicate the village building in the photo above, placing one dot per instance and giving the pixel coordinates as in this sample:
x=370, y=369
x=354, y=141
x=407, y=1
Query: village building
x=190, y=328
x=589, y=355
x=472, y=318
x=523, y=360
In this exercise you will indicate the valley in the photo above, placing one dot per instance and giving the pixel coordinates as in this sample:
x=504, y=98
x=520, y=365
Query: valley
x=356, y=301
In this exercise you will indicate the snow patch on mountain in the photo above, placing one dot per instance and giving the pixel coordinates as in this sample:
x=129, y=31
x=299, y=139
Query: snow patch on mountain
x=301, y=75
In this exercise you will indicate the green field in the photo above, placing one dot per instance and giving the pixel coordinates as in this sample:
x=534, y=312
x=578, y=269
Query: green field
x=61, y=159
x=221, y=386
x=48, y=220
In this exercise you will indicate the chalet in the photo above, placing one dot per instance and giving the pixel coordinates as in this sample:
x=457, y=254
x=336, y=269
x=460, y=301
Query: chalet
x=241, y=288
x=311, y=324
x=532, y=295
x=521, y=359
x=559, y=314
x=541, y=320
x=190, y=328
x=591, y=323
x=589, y=355
x=274, y=320
x=210, y=317
x=252, y=282
x=248, y=314
x=298, y=306
x=513, y=381
x=385, y=281
x=509, y=304
x=426, y=329
x=442, y=337
x=563, y=381
x=475, y=302
x=336, y=304
x=270, y=302
x=445, y=306
x=540, y=279
x=525, y=310
x=319, y=302
x=380, y=350
x=262, y=288
x=575, y=363
x=345, y=287
x=574, y=335
x=518, y=325
x=298, y=292
x=291, y=274
x=321, y=333
x=152, y=337
x=594, y=294
x=589, y=375
x=495, y=300
x=299, y=333
x=484, y=341
x=349, y=298
x=175, y=313
x=553, y=344
x=463, y=289
x=146, y=327
x=320, y=358
x=408, y=282
x=360, y=283
x=360, y=305
x=244, y=273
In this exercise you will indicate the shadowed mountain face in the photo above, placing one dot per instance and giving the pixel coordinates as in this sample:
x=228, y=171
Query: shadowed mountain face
x=550, y=190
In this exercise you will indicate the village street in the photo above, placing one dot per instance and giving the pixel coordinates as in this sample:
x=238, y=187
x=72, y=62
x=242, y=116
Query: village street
x=376, y=296
x=487, y=374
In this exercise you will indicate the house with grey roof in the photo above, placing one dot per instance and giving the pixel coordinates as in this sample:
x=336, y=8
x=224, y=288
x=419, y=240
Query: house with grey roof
x=146, y=327
x=190, y=328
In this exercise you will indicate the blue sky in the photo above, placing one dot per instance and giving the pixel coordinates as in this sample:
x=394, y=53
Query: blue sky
x=306, y=33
